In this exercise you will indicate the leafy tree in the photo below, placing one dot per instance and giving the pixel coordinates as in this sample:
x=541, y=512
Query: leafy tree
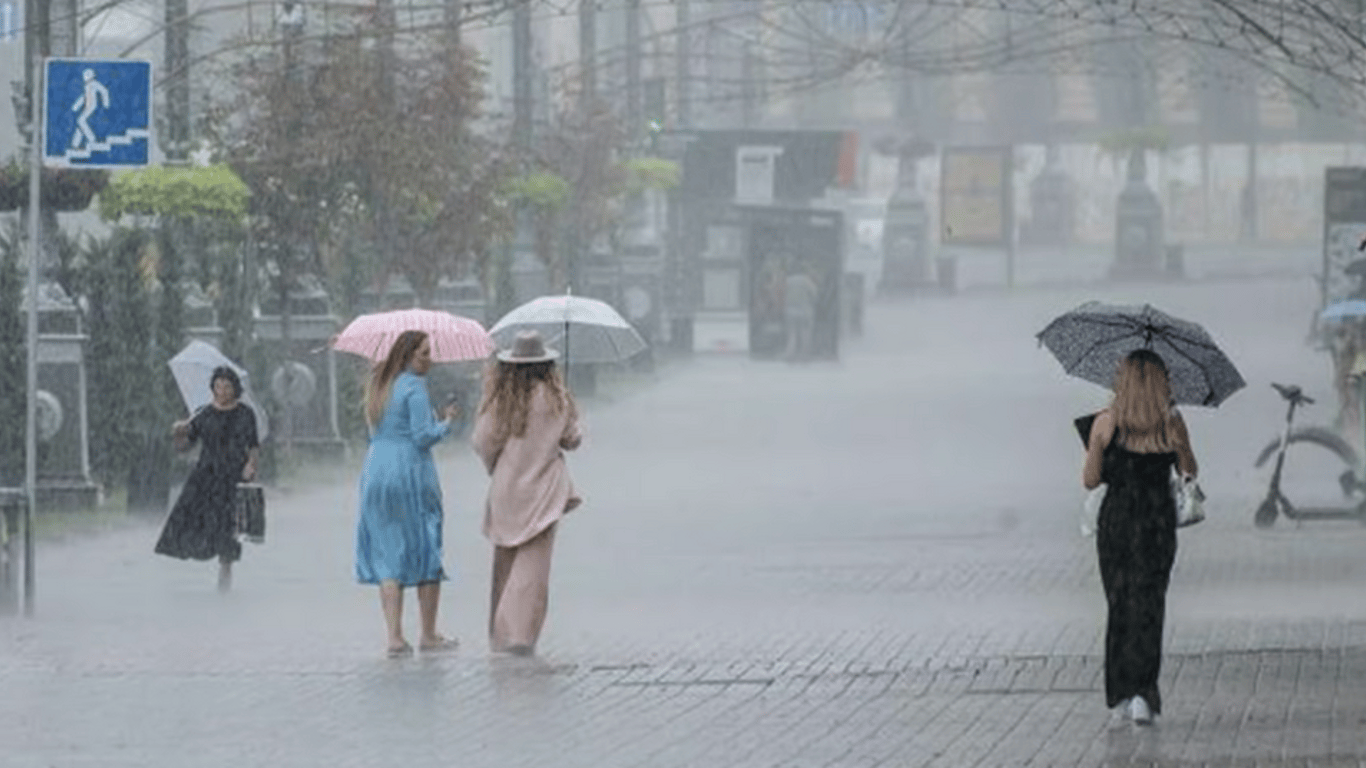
x=582, y=185
x=170, y=322
x=651, y=173
x=63, y=189
x=348, y=150
x=543, y=195
x=13, y=364
x=119, y=351
x=200, y=215
x=582, y=146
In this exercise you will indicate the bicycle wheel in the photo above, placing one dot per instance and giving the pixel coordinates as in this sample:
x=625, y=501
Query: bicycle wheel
x=1316, y=457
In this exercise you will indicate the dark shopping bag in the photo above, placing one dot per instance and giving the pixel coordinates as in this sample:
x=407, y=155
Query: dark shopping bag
x=1083, y=425
x=251, y=512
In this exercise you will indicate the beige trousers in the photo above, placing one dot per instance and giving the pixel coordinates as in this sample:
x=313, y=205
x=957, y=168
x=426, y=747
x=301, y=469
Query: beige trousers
x=521, y=592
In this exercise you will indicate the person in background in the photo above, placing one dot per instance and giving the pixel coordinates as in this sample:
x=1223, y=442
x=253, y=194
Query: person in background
x=799, y=312
x=202, y=523
x=526, y=422
x=1133, y=445
x=1347, y=344
x=398, y=529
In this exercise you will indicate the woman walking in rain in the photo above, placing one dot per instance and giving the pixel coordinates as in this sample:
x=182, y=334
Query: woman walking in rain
x=526, y=422
x=398, y=531
x=201, y=525
x=1132, y=447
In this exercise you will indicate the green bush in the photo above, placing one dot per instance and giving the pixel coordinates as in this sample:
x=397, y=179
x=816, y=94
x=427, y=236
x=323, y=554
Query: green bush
x=644, y=173
x=176, y=191
x=539, y=189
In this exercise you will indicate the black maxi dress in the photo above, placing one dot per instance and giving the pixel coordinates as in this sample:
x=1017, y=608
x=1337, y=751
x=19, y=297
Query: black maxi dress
x=201, y=524
x=1136, y=544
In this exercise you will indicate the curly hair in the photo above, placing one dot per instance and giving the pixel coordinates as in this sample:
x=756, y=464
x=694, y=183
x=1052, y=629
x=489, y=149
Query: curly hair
x=1142, y=405
x=508, y=388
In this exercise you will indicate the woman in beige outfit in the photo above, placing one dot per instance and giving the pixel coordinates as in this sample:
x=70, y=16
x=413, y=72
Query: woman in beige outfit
x=526, y=422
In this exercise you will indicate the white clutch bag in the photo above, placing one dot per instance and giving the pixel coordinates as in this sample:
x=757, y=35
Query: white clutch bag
x=1189, y=498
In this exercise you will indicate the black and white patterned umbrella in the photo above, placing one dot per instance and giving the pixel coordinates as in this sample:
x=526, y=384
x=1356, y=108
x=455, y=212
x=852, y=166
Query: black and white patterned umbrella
x=1090, y=341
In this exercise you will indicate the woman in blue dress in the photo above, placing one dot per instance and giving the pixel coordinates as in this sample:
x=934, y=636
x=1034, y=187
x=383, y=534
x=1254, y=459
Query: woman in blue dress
x=398, y=531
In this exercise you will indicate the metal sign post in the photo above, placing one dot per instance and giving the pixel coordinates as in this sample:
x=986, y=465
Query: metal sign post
x=102, y=119
x=35, y=241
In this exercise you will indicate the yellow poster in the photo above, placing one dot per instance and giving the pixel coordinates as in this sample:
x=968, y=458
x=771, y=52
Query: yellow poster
x=974, y=208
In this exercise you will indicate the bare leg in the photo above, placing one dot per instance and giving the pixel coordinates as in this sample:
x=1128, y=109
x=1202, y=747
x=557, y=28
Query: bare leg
x=224, y=574
x=428, y=601
x=391, y=601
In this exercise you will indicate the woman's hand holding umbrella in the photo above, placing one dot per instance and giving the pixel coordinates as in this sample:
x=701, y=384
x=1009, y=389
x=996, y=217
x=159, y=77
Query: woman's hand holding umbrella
x=180, y=432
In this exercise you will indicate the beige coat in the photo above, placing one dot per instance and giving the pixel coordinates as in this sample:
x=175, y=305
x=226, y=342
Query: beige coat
x=529, y=488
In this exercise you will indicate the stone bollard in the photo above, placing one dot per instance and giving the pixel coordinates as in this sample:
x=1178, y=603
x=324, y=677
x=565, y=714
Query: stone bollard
x=852, y=293
x=946, y=273
x=1175, y=266
x=12, y=502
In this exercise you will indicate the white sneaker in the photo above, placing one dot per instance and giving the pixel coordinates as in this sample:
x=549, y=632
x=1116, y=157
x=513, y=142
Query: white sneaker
x=1139, y=711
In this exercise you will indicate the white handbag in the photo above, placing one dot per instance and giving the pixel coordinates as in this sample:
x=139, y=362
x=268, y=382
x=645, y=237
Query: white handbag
x=1090, y=509
x=1189, y=498
x=1186, y=493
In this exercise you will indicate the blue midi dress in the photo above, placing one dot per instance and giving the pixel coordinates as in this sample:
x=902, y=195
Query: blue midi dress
x=398, y=529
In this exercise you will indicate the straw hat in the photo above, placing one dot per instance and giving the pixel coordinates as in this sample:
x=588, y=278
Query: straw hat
x=528, y=347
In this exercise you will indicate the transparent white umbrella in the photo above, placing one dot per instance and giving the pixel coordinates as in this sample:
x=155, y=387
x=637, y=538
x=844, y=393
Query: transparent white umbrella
x=589, y=330
x=192, y=368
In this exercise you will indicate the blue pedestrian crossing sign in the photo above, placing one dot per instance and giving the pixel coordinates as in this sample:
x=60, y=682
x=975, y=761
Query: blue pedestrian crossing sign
x=97, y=114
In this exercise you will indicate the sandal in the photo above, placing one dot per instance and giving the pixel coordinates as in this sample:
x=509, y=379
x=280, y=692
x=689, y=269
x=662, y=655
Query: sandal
x=399, y=652
x=442, y=645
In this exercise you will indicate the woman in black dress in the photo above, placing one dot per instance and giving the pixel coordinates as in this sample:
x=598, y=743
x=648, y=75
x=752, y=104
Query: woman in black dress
x=1132, y=448
x=201, y=524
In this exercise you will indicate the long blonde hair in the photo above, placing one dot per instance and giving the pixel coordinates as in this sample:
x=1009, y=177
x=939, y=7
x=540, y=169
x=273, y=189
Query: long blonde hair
x=509, y=387
x=1142, y=406
x=381, y=381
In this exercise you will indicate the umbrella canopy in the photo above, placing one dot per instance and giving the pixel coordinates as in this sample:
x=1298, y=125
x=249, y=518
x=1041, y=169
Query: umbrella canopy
x=1344, y=310
x=193, y=367
x=453, y=338
x=588, y=329
x=1090, y=341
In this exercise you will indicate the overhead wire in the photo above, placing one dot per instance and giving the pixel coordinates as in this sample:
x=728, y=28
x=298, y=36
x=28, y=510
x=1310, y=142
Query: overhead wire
x=1300, y=44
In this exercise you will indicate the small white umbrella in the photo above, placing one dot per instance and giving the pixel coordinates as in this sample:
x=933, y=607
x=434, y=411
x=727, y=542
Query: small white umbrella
x=193, y=367
x=588, y=329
